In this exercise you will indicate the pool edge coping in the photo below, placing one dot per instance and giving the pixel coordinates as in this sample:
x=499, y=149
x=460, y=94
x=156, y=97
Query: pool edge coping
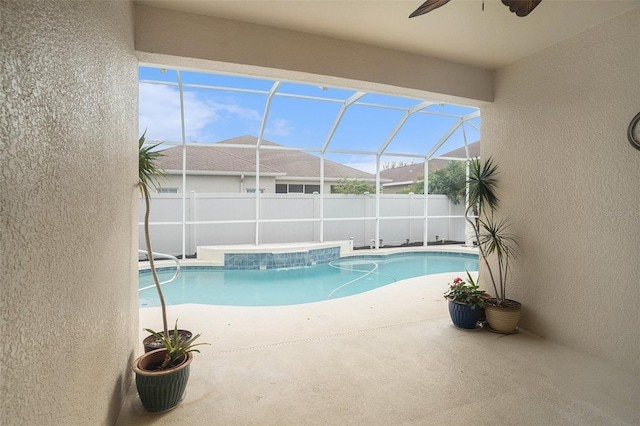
x=144, y=265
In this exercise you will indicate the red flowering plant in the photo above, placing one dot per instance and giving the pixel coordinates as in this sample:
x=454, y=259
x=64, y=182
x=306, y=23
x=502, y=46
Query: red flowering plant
x=467, y=293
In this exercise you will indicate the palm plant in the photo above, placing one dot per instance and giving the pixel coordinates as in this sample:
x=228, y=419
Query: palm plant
x=149, y=175
x=491, y=234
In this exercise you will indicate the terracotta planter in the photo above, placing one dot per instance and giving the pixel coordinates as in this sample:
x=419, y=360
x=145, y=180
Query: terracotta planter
x=503, y=319
x=160, y=390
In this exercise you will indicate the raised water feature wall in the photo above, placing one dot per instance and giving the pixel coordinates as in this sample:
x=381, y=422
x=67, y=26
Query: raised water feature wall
x=280, y=260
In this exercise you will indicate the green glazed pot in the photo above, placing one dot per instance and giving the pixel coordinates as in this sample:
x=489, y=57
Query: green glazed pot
x=160, y=390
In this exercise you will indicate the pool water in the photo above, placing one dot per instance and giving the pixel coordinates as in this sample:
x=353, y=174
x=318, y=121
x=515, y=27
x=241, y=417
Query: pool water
x=290, y=286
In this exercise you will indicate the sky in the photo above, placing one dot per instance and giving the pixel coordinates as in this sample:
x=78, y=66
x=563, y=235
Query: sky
x=214, y=115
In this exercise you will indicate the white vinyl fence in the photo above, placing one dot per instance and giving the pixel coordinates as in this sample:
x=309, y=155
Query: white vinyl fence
x=229, y=219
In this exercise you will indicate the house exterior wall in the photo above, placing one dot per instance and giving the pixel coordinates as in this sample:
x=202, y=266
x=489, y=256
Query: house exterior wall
x=569, y=180
x=219, y=184
x=204, y=184
x=327, y=183
x=395, y=189
x=68, y=125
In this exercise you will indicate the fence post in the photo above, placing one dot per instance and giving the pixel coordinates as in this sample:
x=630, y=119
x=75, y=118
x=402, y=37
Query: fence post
x=193, y=217
x=426, y=202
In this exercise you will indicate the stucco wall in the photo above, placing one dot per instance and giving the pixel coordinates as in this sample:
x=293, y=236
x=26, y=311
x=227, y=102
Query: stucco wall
x=68, y=203
x=169, y=37
x=570, y=182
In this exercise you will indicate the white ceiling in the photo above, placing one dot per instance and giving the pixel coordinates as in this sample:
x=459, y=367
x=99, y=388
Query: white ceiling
x=459, y=31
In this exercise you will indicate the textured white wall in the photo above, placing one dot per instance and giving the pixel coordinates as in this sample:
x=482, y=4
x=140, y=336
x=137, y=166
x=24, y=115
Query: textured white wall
x=570, y=180
x=169, y=37
x=68, y=126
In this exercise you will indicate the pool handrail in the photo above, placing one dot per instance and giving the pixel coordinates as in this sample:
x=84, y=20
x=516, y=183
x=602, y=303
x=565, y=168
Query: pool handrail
x=162, y=256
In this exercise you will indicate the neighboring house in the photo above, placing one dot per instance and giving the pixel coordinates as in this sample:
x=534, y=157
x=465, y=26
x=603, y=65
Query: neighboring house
x=216, y=168
x=400, y=178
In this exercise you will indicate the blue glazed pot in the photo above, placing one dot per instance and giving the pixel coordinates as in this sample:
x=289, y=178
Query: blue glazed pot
x=463, y=316
x=160, y=390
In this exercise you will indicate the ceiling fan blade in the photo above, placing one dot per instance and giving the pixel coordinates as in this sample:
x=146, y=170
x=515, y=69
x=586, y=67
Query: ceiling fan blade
x=521, y=7
x=428, y=6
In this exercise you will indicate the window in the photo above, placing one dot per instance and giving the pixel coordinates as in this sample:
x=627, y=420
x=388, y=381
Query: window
x=294, y=188
x=167, y=190
x=310, y=189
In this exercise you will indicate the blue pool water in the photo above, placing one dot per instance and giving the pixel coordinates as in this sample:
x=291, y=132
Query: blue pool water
x=290, y=286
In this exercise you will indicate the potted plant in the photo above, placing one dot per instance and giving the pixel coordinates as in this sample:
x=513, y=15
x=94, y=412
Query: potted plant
x=497, y=247
x=465, y=303
x=149, y=175
x=162, y=374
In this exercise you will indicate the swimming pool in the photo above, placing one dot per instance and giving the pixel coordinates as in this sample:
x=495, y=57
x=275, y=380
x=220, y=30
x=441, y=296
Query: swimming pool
x=290, y=286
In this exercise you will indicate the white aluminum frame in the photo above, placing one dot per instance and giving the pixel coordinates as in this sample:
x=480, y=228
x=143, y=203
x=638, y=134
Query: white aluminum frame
x=461, y=121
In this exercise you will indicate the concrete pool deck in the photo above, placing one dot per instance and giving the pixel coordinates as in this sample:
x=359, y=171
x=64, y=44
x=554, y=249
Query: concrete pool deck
x=386, y=357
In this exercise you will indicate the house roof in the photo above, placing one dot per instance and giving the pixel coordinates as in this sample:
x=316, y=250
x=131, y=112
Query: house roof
x=410, y=173
x=404, y=174
x=288, y=164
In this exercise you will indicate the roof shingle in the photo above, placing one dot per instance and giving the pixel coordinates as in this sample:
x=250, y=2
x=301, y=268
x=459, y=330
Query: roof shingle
x=411, y=172
x=291, y=163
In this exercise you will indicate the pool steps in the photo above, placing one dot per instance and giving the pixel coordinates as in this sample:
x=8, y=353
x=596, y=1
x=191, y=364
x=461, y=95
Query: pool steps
x=162, y=256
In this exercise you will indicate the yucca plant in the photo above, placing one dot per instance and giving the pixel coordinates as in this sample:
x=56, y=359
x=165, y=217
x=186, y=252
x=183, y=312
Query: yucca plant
x=176, y=347
x=491, y=234
x=149, y=175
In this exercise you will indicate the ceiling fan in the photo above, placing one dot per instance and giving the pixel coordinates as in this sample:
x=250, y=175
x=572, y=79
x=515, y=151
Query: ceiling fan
x=519, y=7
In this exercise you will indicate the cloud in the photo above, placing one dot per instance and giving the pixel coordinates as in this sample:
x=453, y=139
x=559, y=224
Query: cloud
x=236, y=111
x=365, y=167
x=159, y=113
x=278, y=127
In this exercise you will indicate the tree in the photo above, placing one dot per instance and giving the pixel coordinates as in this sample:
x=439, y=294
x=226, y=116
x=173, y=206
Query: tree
x=353, y=186
x=149, y=173
x=449, y=180
x=395, y=164
x=416, y=187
